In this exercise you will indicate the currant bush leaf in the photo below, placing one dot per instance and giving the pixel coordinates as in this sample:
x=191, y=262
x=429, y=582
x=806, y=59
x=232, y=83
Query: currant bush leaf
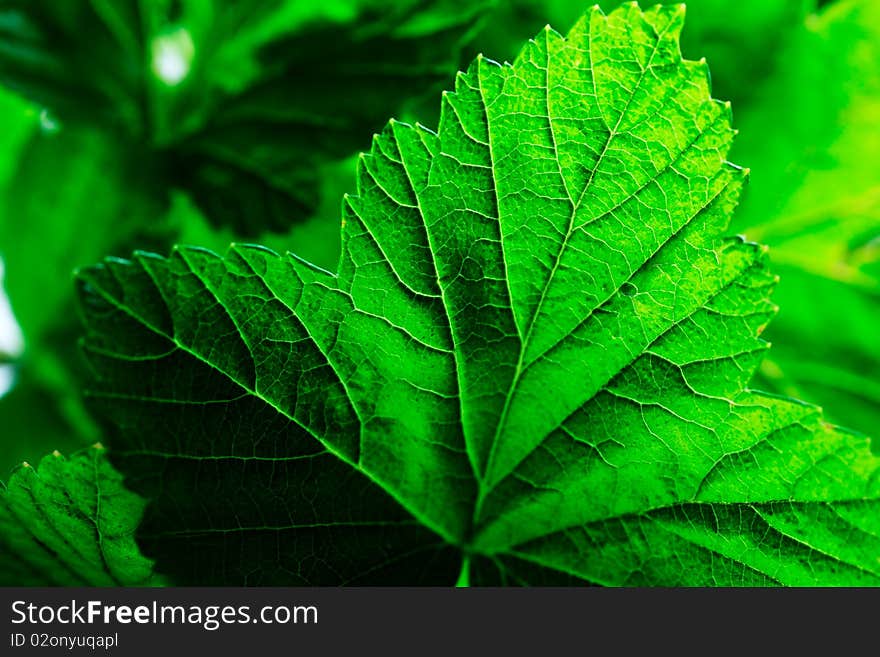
x=70, y=522
x=533, y=359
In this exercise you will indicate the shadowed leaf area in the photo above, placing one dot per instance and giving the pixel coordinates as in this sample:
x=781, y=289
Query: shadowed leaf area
x=533, y=359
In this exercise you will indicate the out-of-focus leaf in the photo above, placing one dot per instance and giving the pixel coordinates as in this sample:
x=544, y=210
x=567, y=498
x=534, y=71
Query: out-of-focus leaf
x=19, y=120
x=73, y=196
x=240, y=104
x=317, y=239
x=33, y=420
x=71, y=522
x=323, y=89
x=814, y=197
x=81, y=58
x=42, y=409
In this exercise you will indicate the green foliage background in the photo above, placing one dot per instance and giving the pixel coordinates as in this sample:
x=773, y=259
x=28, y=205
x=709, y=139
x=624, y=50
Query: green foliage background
x=103, y=150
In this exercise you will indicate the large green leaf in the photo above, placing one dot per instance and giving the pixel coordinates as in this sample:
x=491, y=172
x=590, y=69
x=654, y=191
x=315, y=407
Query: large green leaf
x=533, y=358
x=815, y=199
x=70, y=522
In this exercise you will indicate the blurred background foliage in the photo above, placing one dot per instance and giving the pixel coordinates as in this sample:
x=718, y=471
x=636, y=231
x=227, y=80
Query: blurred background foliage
x=143, y=123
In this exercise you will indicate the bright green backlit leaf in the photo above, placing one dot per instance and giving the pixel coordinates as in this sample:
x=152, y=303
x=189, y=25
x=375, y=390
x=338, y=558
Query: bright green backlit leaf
x=70, y=522
x=533, y=358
